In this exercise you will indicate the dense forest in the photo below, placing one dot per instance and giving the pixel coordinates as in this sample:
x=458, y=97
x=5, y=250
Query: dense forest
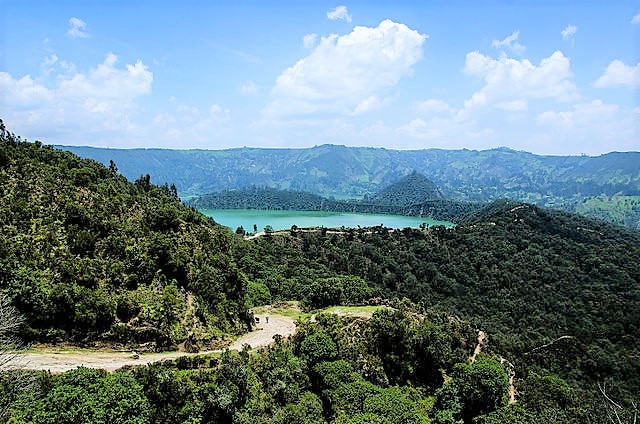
x=564, y=182
x=89, y=258
x=396, y=367
x=529, y=276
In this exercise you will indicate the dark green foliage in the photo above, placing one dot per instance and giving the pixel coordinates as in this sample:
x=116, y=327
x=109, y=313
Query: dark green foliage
x=482, y=386
x=91, y=396
x=318, y=347
x=86, y=255
x=559, y=290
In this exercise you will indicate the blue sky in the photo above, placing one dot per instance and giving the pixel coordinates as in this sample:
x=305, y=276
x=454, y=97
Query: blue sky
x=543, y=76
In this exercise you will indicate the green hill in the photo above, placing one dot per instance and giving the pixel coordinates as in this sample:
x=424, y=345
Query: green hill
x=413, y=189
x=529, y=276
x=88, y=256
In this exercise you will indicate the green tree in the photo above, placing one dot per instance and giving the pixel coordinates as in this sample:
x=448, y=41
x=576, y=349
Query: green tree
x=483, y=386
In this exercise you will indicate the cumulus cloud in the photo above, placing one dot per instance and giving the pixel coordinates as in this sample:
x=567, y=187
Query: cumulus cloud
x=107, y=82
x=339, y=12
x=77, y=28
x=103, y=98
x=619, y=74
x=510, y=42
x=569, y=32
x=309, y=40
x=508, y=79
x=590, y=127
x=636, y=19
x=347, y=74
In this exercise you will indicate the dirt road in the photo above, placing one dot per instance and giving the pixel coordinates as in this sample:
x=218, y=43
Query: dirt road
x=60, y=360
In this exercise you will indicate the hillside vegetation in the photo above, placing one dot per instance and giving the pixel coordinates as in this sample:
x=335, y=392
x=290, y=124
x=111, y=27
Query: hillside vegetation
x=516, y=315
x=88, y=256
x=530, y=277
x=354, y=172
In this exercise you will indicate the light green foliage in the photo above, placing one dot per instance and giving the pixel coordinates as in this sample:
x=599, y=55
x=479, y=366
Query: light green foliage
x=317, y=347
x=482, y=386
x=86, y=396
x=258, y=294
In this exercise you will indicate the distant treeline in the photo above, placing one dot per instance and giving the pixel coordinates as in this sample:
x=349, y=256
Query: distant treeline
x=273, y=199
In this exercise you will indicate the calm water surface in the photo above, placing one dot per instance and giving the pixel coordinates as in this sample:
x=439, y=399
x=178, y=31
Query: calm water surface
x=283, y=220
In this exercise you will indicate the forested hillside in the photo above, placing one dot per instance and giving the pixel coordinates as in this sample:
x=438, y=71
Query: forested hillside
x=353, y=172
x=558, y=293
x=88, y=256
x=515, y=315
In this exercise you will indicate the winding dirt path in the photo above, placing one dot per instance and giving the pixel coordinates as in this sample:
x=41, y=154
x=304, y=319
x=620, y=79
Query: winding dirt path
x=482, y=337
x=61, y=361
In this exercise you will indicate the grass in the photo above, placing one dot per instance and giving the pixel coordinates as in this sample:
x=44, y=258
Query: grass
x=289, y=309
x=354, y=310
x=292, y=310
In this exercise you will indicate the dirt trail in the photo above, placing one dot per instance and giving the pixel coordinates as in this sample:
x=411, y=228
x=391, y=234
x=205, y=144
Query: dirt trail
x=61, y=361
x=482, y=337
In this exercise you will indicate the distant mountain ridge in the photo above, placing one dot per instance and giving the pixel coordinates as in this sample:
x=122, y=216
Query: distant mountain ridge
x=354, y=172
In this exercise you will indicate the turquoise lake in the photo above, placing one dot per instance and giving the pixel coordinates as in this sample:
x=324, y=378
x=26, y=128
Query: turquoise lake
x=283, y=220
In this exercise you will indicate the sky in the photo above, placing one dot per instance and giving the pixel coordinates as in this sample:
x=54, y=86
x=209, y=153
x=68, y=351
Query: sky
x=548, y=77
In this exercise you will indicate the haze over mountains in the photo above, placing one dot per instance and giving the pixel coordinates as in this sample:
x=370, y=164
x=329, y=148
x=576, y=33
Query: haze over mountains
x=606, y=186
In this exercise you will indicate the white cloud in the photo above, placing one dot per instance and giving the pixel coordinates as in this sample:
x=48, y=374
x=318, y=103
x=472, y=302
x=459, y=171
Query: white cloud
x=342, y=73
x=508, y=79
x=511, y=43
x=590, y=127
x=636, y=19
x=419, y=128
x=619, y=74
x=372, y=102
x=77, y=28
x=309, y=40
x=22, y=94
x=339, y=12
x=433, y=106
x=569, y=32
x=101, y=99
x=106, y=81
x=248, y=88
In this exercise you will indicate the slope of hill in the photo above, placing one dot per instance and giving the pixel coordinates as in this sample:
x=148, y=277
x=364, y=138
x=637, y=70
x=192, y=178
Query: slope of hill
x=413, y=189
x=557, y=292
x=87, y=256
x=353, y=172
